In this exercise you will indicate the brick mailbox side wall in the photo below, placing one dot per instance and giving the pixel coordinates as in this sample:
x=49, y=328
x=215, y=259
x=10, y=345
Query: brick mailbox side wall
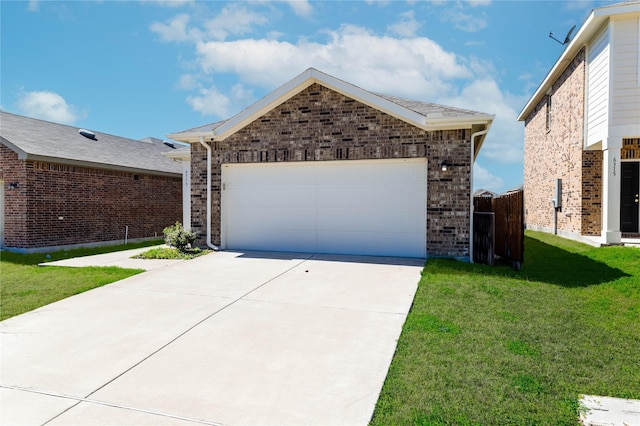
x=319, y=124
x=557, y=152
x=57, y=204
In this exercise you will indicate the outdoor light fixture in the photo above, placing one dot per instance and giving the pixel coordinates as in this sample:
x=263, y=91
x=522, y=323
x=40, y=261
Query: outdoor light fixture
x=13, y=185
x=444, y=166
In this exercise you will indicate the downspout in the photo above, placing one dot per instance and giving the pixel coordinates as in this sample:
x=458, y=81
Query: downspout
x=473, y=137
x=208, y=148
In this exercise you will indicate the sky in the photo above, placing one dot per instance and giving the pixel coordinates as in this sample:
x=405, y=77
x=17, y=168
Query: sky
x=143, y=68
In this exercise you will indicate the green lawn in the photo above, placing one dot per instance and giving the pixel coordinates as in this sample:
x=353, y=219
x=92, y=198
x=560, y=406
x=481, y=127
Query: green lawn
x=488, y=346
x=25, y=286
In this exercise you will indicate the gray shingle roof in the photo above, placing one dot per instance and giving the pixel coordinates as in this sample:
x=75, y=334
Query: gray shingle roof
x=423, y=108
x=44, y=140
x=426, y=108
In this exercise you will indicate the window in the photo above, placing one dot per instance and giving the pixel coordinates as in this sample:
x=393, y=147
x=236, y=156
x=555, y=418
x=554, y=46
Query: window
x=549, y=112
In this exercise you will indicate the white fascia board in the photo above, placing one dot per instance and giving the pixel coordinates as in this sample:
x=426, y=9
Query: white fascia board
x=589, y=28
x=272, y=100
x=370, y=99
x=574, y=47
x=190, y=137
x=460, y=122
x=22, y=154
x=301, y=82
x=178, y=155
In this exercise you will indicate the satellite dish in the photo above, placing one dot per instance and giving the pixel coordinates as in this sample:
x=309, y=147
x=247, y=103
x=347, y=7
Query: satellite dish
x=567, y=39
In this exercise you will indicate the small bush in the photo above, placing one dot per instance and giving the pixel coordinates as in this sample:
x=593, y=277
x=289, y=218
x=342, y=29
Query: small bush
x=178, y=237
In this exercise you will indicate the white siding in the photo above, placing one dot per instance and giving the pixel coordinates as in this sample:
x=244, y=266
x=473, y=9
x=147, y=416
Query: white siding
x=625, y=96
x=598, y=88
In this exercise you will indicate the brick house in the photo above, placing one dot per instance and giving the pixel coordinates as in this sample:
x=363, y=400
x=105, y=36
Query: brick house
x=320, y=165
x=582, y=134
x=61, y=189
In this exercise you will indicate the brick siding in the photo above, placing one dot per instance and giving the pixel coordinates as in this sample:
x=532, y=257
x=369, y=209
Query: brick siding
x=558, y=152
x=57, y=204
x=319, y=124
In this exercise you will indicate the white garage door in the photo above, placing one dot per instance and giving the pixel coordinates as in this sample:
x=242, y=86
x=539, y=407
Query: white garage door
x=371, y=207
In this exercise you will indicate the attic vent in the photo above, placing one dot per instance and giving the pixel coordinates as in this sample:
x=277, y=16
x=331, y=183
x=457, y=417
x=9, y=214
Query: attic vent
x=169, y=144
x=88, y=134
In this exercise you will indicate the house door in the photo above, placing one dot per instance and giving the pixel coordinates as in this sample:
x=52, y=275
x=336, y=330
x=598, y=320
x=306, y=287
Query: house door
x=629, y=197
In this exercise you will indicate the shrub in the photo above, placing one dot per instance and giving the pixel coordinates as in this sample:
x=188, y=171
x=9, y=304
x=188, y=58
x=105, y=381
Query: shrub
x=178, y=237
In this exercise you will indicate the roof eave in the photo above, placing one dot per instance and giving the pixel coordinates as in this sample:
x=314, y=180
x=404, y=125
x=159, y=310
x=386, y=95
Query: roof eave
x=460, y=122
x=558, y=67
x=190, y=137
x=588, y=29
x=93, y=165
x=178, y=155
x=301, y=82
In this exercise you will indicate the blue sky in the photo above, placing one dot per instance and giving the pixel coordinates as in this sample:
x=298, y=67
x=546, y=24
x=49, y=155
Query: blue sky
x=149, y=68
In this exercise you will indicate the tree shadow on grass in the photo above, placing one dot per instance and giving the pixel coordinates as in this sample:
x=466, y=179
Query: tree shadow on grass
x=550, y=264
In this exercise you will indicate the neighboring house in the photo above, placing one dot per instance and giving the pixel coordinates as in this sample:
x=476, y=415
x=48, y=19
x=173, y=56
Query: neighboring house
x=484, y=193
x=582, y=133
x=63, y=189
x=322, y=166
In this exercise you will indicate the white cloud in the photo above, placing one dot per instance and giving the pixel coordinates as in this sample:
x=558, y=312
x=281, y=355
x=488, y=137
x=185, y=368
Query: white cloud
x=484, y=179
x=461, y=19
x=405, y=67
x=47, y=106
x=408, y=66
x=168, y=3
x=210, y=101
x=33, y=5
x=175, y=30
x=188, y=82
x=504, y=142
x=234, y=19
x=406, y=26
x=301, y=7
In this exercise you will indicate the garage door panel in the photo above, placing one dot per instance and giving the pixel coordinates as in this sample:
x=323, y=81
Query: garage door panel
x=370, y=244
x=272, y=240
x=388, y=220
x=265, y=196
x=372, y=207
x=400, y=195
x=273, y=219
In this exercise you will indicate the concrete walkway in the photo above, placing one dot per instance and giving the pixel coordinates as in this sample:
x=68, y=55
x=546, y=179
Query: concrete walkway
x=123, y=259
x=226, y=338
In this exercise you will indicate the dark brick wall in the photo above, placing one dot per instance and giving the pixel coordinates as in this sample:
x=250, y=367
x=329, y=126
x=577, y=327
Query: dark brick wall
x=319, y=124
x=58, y=204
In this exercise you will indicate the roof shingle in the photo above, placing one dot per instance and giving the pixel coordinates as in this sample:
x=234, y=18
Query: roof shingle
x=39, y=139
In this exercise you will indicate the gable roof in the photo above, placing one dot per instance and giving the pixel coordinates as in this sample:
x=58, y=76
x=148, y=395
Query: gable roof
x=41, y=140
x=424, y=115
x=590, y=27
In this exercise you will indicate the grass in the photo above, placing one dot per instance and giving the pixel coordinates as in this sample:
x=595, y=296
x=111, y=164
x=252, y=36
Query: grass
x=26, y=286
x=171, y=253
x=485, y=345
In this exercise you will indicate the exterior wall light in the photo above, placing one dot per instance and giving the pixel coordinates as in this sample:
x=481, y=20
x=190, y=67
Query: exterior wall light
x=445, y=166
x=13, y=185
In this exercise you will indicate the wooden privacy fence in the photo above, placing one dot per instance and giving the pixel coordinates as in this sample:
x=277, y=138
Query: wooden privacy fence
x=505, y=239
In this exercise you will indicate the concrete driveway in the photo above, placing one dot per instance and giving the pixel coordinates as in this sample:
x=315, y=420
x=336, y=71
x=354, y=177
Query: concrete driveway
x=227, y=338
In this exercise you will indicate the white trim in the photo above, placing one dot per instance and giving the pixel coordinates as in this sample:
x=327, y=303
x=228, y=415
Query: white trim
x=638, y=67
x=588, y=29
x=301, y=82
x=310, y=76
